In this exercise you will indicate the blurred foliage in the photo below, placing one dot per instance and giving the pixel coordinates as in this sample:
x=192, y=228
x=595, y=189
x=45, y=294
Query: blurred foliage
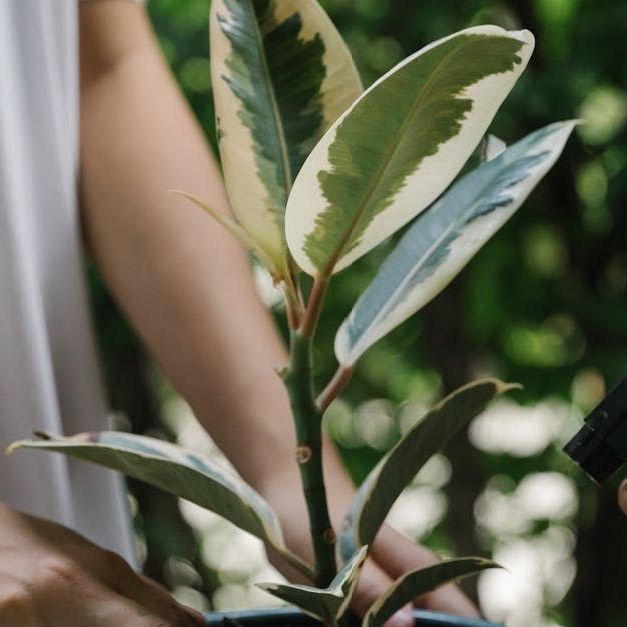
x=543, y=304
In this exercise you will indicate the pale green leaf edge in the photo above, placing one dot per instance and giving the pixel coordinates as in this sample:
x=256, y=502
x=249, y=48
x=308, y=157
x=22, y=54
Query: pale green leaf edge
x=272, y=533
x=351, y=536
x=237, y=231
x=338, y=594
x=418, y=582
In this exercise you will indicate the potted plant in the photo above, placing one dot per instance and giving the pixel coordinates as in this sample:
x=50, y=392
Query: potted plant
x=318, y=173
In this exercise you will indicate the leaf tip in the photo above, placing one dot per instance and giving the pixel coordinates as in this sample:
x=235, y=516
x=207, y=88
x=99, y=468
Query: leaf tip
x=39, y=435
x=504, y=387
x=484, y=562
x=524, y=35
x=14, y=446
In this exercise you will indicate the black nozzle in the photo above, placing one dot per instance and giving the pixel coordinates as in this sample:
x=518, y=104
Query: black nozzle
x=600, y=447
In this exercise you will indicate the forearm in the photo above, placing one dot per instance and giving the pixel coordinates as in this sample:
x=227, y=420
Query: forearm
x=184, y=283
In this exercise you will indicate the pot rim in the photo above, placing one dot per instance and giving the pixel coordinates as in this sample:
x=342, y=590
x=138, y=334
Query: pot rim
x=427, y=618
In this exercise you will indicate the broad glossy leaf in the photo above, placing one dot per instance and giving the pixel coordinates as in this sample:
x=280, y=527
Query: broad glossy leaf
x=416, y=583
x=395, y=471
x=446, y=237
x=323, y=603
x=400, y=145
x=281, y=76
x=179, y=471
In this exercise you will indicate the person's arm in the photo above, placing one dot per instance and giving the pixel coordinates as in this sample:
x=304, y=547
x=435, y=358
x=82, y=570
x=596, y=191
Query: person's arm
x=185, y=283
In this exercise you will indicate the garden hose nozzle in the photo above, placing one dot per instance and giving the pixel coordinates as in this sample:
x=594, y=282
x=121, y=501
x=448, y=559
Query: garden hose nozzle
x=600, y=447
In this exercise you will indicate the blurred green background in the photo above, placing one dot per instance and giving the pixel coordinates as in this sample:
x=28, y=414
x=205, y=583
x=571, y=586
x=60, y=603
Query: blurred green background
x=543, y=304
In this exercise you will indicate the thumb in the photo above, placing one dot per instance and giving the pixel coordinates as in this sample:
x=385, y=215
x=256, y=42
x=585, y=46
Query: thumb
x=622, y=496
x=373, y=582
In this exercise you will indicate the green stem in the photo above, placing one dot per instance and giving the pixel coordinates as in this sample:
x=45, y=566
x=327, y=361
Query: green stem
x=308, y=422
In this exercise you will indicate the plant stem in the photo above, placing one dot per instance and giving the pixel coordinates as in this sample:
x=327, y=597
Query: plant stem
x=334, y=388
x=308, y=422
x=314, y=307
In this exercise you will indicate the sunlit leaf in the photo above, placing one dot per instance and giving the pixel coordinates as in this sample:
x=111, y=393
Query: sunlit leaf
x=416, y=583
x=180, y=472
x=387, y=480
x=400, y=145
x=446, y=237
x=281, y=76
x=323, y=603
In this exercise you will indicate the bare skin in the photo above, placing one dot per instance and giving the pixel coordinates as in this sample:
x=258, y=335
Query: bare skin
x=187, y=288
x=50, y=576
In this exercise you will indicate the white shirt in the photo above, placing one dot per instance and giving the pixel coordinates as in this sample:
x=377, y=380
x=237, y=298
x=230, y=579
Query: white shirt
x=49, y=377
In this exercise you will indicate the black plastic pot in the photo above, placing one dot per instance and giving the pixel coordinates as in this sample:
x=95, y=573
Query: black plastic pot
x=286, y=617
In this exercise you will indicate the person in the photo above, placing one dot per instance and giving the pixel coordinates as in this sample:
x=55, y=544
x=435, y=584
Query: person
x=622, y=496
x=65, y=545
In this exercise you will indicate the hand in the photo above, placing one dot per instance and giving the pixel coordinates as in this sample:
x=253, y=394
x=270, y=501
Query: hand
x=622, y=496
x=391, y=554
x=52, y=577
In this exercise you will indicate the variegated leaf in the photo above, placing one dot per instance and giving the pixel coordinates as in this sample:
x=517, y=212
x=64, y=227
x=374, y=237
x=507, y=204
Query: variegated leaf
x=491, y=147
x=446, y=237
x=180, y=472
x=323, y=603
x=418, y=582
x=400, y=145
x=394, y=472
x=281, y=76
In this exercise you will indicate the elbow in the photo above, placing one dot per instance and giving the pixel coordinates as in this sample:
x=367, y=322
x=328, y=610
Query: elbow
x=111, y=33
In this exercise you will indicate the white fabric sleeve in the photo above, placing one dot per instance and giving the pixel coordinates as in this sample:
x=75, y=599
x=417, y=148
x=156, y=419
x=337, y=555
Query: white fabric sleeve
x=135, y=1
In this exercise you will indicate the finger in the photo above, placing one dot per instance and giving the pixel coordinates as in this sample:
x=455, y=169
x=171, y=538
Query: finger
x=122, y=579
x=89, y=602
x=15, y=603
x=373, y=582
x=622, y=496
x=397, y=555
x=115, y=609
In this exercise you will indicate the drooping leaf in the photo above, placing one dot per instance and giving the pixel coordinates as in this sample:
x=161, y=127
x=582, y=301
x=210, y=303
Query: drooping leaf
x=395, y=471
x=418, y=582
x=236, y=231
x=180, y=472
x=400, y=145
x=281, y=76
x=323, y=603
x=446, y=237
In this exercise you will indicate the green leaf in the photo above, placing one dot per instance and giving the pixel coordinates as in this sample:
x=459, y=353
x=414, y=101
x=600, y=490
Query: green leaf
x=281, y=76
x=400, y=145
x=326, y=603
x=416, y=583
x=446, y=237
x=395, y=471
x=179, y=471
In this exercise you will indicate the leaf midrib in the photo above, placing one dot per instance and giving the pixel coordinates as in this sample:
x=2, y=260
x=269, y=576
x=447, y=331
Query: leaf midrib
x=270, y=526
x=382, y=170
x=278, y=123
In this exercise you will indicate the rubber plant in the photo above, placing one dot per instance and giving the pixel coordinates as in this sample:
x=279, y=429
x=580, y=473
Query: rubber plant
x=319, y=172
